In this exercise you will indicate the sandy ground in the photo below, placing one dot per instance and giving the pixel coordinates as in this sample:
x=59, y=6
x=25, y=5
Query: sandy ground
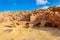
x=20, y=33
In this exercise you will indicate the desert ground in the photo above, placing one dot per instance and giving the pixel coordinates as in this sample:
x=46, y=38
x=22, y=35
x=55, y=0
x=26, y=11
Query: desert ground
x=20, y=33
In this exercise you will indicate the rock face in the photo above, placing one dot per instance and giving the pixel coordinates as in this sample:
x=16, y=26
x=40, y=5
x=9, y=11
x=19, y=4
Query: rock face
x=11, y=16
x=38, y=17
x=46, y=17
x=23, y=15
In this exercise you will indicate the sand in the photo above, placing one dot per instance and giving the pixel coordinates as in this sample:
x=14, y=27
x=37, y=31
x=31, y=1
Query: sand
x=20, y=33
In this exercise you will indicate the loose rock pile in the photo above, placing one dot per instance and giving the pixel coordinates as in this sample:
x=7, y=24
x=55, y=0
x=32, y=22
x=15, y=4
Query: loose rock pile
x=38, y=17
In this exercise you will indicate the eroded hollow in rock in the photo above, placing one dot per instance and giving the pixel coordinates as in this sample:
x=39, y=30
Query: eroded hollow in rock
x=48, y=24
x=17, y=23
x=38, y=25
x=27, y=25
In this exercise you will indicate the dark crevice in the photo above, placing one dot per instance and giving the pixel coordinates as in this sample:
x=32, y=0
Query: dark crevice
x=48, y=24
x=38, y=24
x=17, y=23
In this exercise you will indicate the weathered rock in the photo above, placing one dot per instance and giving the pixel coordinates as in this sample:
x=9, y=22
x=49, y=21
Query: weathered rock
x=24, y=15
x=47, y=17
x=42, y=17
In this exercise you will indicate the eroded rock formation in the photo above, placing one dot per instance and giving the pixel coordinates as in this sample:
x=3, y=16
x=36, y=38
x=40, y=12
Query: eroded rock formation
x=38, y=17
x=46, y=17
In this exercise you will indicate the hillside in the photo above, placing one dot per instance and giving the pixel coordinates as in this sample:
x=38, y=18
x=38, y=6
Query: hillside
x=38, y=24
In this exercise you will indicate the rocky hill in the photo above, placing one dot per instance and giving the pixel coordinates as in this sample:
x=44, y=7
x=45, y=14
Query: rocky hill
x=38, y=24
x=38, y=17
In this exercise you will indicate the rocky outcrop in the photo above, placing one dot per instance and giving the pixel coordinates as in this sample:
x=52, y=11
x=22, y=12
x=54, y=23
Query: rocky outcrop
x=46, y=17
x=38, y=17
x=18, y=15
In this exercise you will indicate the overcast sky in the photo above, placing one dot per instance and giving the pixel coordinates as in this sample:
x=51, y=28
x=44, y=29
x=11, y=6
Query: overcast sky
x=14, y=5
